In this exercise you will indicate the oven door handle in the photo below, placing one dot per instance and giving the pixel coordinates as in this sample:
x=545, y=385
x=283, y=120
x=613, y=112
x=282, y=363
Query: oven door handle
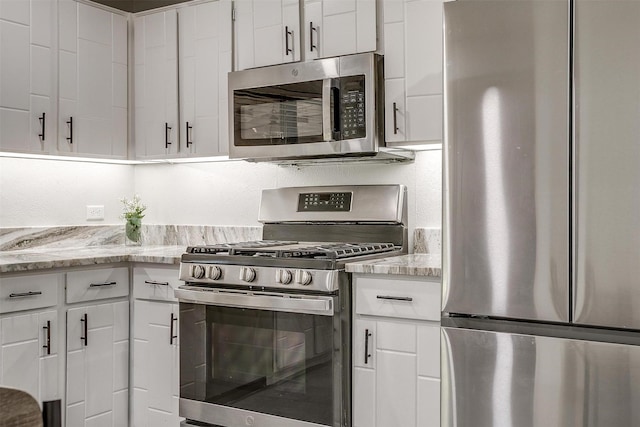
x=319, y=305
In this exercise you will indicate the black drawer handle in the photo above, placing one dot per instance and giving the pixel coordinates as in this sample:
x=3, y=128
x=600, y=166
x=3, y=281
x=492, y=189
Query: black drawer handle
x=48, y=344
x=167, y=130
x=287, y=33
x=367, y=355
x=392, y=298
x=153, y=282
x=311, y=30
x=97, y=285
x=42, y=126
x=395, y=118
x=85, y=321
x=70, y=137
x=171, y=335
x=189, y=129
x=25, y=294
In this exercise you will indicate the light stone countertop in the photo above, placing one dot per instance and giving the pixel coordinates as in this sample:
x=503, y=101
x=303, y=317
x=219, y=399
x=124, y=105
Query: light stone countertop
x=425, y=265
x=44, y=258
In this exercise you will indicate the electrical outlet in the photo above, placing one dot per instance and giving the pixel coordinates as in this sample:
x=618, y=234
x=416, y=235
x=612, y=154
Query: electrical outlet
x=95, y=212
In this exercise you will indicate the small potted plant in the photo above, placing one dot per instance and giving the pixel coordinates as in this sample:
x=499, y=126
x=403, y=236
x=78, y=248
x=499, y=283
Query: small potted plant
x=132, y=213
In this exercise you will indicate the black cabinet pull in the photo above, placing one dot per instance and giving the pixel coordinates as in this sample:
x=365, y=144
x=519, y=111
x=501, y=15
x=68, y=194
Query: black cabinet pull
x=70, y=124
x=189, y=128
x=42, y=126
x=395, y=118
x=85, y=338
x=48, y=344
x=287, y=33
x=153, y=282
x=97, y=285
x=25, y=294
x=367, y=355
x=311, y=30
x=389, y=297
x=171, y=335
x=167, y=128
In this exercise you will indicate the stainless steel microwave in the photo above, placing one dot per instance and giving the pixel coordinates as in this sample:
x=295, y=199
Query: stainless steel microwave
x=326, y=108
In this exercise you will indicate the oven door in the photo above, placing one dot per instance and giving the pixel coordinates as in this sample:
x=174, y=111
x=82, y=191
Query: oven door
x=259, y=358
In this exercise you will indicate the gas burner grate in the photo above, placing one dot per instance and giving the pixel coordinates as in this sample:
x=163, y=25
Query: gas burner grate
x=325, y=251
x=230, y=247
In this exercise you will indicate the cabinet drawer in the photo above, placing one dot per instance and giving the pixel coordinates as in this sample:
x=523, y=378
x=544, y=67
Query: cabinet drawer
x=155, y=283
x=28, y=292
x=88, y=285
x=402, y=298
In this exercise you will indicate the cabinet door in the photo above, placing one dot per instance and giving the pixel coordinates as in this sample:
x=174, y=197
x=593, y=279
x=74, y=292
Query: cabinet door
x=26, y=70
x=155, y=349
x=266, y=32
x=413, y=70
x=156, y=84
x=384, y=387
x=92, y=81
x=29, y=354
x=205, y=60
x=338, y=27
x=98, y=365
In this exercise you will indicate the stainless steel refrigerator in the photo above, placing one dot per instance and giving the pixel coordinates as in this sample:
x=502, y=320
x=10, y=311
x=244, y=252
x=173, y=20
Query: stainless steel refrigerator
x=541, y=258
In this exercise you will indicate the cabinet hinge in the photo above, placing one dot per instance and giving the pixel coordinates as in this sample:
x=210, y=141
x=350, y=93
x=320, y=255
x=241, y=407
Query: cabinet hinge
x=233, y=13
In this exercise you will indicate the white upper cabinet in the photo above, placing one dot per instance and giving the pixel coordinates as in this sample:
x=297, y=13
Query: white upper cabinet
x=413, y=70
x=92, y=81
x=156, y=84
x=205, y=61
x=339, y=27
x=26, y=74
x=266, y=32
x=182, y=58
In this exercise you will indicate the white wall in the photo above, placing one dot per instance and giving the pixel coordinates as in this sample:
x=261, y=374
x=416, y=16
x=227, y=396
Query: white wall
x=56, y=192
x=36, y=192
x=228, y=193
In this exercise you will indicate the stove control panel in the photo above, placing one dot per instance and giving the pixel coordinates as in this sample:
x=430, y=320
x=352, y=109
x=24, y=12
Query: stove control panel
x=267, y=277
x=325, y=202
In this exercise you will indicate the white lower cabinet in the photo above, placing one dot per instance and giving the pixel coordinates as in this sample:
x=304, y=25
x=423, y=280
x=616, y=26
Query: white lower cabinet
x=155, y=381
x=396, y=358
x=155, y=348
x=29, y=335
x=29, y=354
x=98, y=365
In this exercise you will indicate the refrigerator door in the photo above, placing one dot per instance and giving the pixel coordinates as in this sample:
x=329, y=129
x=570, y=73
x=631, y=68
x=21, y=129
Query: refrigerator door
x=607, y=133
x=504, y=380
x=507, y=159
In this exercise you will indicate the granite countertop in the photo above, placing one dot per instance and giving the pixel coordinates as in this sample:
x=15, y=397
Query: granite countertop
x=42, y=258
x=425, y=265
x=37, y=248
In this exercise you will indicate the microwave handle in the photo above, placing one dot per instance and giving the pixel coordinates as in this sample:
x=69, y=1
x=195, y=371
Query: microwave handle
x=330, y=121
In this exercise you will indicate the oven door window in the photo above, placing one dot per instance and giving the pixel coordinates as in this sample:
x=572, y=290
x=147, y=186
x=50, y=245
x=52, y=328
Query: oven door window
x=278, y=115
x=277, y=363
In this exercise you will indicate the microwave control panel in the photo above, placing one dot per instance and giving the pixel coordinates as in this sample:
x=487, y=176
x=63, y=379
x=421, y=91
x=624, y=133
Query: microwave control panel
x=352, y=111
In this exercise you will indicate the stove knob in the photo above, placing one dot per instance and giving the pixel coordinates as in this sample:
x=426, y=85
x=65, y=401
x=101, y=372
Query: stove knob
x=198, y=271
x=303, y=277
x=215, y=273
x=283, y=276
x=247, y=274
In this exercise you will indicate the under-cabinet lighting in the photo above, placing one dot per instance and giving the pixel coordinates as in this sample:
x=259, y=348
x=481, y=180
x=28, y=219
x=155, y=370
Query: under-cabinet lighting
x=116, y=161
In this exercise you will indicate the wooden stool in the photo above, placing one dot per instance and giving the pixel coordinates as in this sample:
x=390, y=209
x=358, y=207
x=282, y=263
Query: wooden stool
x=18, y=409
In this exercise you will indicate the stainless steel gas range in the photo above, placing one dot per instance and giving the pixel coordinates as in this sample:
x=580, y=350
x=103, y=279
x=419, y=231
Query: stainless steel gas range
x=266, y=325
